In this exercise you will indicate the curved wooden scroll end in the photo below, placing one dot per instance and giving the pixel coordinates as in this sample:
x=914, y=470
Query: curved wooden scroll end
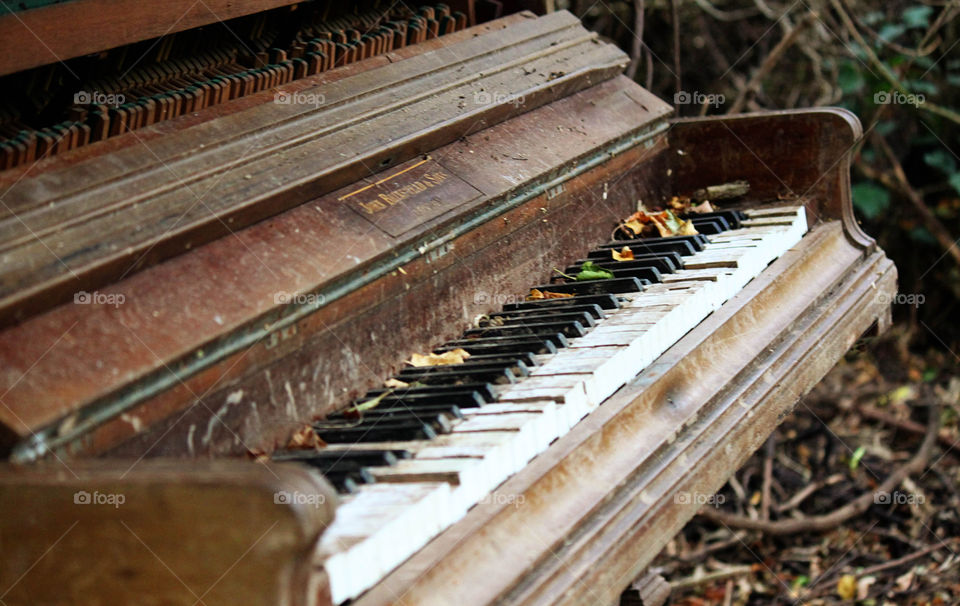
x=800, y=154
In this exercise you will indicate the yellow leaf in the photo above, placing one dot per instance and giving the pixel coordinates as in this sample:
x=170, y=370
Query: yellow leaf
x=455, y=356
x=305, y=438
x=635, y=226
x=755, y=498
x=847, y=587
x=536, y=295
x=625, y=254
x=395, y=383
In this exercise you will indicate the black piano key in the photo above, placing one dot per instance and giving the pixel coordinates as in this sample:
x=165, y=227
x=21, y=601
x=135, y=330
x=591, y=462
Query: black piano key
x=591, y=310
x=438, y=421
x=570, y=328
x=526, y=358
x=657, y=245
x=733, y=217
x=508, y=345
x=376, y=431
x=622, y=269
x=396, y=412
x=407, y=374
x=468, y=395
x=666, y=262
x=533, y=316
x=326, y=458
x=593, y=287
x=456, y=374
x=603, y=301
x=710, y=226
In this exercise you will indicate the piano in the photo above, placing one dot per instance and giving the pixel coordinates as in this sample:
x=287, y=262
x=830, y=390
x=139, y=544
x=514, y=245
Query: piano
x=229, y=227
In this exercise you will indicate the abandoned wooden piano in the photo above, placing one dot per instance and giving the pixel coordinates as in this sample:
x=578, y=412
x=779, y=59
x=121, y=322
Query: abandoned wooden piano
x=223, y=223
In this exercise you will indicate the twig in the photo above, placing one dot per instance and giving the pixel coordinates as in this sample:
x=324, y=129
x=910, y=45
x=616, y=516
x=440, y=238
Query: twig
x=636, y=48
x=721, y=15
x=807, y=490
x=930, y=220
x=768, y=64
x=907, y=425
x=888, y=75
x=696, y=581
x=907, y=558
x=851, y=509
x=767, y=477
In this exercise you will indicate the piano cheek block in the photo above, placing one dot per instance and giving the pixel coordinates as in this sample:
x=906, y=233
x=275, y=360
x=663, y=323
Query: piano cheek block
x=117, y=529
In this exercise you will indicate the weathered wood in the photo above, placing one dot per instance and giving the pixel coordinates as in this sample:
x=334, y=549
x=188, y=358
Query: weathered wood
x=161, y=532
x=38, y=37
x=162, y=327
x=94, y=222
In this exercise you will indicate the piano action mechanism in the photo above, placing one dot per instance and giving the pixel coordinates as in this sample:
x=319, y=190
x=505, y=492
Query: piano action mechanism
x=266, y=226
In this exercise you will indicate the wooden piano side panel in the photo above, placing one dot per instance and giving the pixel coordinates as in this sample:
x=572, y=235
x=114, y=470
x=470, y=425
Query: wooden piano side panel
x=798, y=154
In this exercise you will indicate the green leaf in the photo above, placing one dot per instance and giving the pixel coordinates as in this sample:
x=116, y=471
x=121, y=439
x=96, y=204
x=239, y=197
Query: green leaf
x=917, y=16
x=921, y=235
x=930, y=374
x=941, y=160
x=955, y=181
x=891, y=31
x=855, y=459
x=589, y=271
x=849, y=78
x=870, y=199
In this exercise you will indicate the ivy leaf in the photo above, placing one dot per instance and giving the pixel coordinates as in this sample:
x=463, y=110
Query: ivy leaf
x=589, y=271
x=955, y=181
x=940, y=160
x=870, y=199
x=917, y=16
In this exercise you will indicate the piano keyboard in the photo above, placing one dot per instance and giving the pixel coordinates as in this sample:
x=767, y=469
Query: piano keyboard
x=414, y=463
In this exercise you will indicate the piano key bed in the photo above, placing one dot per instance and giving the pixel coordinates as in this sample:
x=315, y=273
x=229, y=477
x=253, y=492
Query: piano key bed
x=414, y=463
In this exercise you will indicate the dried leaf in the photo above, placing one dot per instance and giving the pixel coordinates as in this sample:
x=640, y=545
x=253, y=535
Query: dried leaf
x=703, y=207
x=395, y=383
x=590, y=271
x=625, y=254
x=305, y=438
x=635, y=226
x=536, y=295
x=847, y=587
x=455, y=356
x=863, y=587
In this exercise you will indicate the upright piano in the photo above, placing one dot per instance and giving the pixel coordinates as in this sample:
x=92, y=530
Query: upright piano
x=289, y=310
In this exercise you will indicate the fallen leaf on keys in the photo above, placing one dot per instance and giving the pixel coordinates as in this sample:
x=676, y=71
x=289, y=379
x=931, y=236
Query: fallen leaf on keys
x=305, y=438
x=680, y=204
x=625, y=254
x=536, y=295
x=391, y=382
x=847, y=587
x=589, y=271
x=703, y=207
x=668, y=224
x=455, y=356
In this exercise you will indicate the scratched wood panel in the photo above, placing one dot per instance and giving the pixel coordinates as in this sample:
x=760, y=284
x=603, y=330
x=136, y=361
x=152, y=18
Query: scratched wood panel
x=165, y=208
x=61, y=361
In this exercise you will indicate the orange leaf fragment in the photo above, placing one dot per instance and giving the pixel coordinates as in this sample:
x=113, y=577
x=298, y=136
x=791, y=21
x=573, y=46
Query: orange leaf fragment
x=305, y=438
x=625, y=254
x=455, y=356
x=536, y=295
